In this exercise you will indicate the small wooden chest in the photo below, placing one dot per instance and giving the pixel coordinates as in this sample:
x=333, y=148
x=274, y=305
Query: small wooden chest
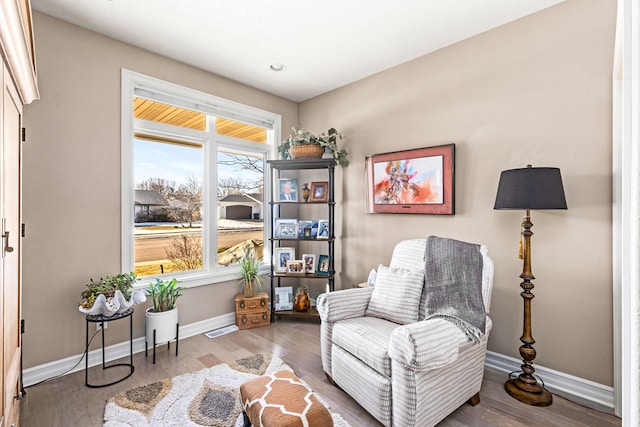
x=252, y=312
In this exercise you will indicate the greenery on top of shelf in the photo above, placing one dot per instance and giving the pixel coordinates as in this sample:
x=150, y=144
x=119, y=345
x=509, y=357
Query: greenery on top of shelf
x=327, y=140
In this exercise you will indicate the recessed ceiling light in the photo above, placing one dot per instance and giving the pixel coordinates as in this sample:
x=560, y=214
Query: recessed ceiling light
x=277, y=67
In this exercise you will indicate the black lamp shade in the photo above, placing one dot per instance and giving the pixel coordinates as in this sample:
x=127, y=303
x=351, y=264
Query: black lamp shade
x=530, y=188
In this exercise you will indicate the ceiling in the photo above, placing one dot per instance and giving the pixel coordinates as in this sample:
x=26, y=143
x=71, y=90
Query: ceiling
x=323, y=44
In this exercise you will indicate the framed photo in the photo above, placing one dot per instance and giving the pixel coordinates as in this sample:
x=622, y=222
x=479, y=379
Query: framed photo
x=417, y=181
x=308, y=229
x=323, y=265
x=323, y=229
x=287, y=190
x=319, y=191
x=282, y=255
x=309, y=261
x=286, y=228
x=283, y=298
x=295, y=267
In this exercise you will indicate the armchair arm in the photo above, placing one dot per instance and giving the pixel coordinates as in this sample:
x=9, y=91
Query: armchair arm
x=425, y=345
x=344, y=304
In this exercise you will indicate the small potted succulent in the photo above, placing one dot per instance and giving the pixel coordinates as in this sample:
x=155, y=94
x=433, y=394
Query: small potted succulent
x=162, y=316
x=110, y=295
x=302, y=143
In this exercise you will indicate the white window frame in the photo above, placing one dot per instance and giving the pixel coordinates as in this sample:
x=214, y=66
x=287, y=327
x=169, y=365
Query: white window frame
x=139, y=84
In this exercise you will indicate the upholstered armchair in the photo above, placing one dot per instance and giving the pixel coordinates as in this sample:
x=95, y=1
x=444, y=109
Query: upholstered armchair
x=377, y=346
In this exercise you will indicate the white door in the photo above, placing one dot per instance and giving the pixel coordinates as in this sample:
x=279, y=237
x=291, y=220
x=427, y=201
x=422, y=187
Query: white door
x=10, y=250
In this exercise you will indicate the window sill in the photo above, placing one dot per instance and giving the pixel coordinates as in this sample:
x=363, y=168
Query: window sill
x=195, y=279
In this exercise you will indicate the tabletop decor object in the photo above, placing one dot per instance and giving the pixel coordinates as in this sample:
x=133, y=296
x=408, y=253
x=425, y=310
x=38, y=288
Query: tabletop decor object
x=110, y=295
x=302, y=301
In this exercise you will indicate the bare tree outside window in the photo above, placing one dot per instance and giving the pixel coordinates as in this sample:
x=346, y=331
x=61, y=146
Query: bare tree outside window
x=230, y=185
x=185, y=252
x=253, y=165
x=190, y=196
x=165, y=187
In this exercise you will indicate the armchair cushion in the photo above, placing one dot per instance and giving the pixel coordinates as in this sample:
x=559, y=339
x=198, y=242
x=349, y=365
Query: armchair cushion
x=366, y=338
x=396, y=294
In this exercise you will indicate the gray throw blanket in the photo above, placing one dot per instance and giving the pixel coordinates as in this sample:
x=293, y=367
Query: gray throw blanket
x=453, y=284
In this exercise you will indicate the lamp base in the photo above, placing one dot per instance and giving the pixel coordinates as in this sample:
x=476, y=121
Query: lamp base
x=528, y=392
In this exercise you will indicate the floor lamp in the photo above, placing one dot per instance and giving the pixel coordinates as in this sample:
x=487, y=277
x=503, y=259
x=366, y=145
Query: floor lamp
x=529, y=188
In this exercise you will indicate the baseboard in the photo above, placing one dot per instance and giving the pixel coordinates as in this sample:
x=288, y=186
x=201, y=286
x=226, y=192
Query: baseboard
x=70, y=364
x=576, y=389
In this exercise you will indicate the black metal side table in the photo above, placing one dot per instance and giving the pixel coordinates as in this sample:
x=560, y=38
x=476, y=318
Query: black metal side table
x=101, y=319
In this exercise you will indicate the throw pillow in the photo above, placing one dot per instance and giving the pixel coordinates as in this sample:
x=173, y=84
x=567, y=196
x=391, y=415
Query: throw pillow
x=396, y=294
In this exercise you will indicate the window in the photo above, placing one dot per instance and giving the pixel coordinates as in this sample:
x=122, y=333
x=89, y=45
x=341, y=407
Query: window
x=193, y=181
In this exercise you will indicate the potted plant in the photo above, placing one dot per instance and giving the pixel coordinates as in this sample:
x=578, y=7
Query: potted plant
x=162, y=316
x=110, y=295
x=250, y=273
x=313, y=145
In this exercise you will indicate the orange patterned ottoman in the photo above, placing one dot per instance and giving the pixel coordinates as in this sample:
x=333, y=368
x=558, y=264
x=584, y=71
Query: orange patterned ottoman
x=281, y=399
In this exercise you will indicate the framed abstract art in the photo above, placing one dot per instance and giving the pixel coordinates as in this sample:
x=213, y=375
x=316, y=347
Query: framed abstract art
x=419, y=181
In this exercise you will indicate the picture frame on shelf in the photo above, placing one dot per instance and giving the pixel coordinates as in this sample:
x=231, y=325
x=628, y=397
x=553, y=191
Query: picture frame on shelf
x=309, y=261
x=419, y=181
x=283, y=298
x=308, y=229
x=323, y=229
x=282, y=255
x=319, y=192
x=286, y=228
x=295, y=267
x=287, y=190
x=323, y=265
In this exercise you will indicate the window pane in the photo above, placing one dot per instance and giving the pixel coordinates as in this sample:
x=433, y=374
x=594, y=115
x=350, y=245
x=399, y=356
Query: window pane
x=241, y=130
x=240, y=204
x=168, y=180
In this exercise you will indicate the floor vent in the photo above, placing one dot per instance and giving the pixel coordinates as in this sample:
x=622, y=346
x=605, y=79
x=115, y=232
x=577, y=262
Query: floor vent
x=221, y=331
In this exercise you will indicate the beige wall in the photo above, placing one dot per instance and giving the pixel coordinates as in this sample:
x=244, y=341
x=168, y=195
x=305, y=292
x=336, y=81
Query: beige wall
x=72, y=181
x=534, y=91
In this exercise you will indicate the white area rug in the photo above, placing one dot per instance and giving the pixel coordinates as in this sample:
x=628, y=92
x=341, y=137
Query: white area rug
x=209, y=397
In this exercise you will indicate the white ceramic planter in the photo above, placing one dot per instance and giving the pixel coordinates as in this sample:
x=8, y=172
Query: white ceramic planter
x=164, y=323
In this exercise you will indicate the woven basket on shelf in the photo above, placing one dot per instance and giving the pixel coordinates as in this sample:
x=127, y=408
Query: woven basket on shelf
x=305, y=151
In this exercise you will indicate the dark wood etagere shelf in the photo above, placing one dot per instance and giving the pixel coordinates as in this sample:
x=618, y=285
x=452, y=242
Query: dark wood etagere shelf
x=277, y=166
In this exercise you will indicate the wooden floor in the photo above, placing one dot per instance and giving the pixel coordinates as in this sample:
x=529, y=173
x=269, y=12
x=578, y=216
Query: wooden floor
x=67, y=402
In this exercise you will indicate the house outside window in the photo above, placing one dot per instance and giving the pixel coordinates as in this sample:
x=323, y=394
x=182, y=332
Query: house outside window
x=194, y=179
